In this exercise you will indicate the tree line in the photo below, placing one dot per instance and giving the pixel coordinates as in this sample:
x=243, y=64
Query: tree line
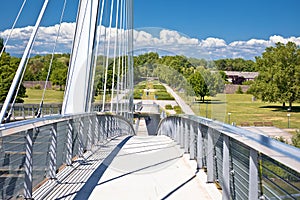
x=278, y=67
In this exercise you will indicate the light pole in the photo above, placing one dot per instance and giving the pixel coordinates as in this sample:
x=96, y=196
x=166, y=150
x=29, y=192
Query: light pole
x=229, y=117
x=288, y=115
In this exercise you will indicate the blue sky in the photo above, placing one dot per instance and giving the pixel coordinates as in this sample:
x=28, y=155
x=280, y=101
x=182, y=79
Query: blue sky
x=223, y=28
x=227, y=19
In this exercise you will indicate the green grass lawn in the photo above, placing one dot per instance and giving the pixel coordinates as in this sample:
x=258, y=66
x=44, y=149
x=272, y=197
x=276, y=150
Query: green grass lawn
x=243, y=109
x=51, y=96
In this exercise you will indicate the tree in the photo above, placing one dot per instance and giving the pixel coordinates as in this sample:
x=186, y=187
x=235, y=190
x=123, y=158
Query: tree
x=8, y=67
x=198, y=84
x=296, y=139
x=1, y=44
x=59, y=74
x=279, y=74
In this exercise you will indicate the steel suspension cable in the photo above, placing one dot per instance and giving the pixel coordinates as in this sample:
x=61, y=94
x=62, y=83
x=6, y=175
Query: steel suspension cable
x=51, y=60
x=98, y=37
x=12, y=28
x=107, y=55
x=119, y=60
x=114, y=64
x=21, y=67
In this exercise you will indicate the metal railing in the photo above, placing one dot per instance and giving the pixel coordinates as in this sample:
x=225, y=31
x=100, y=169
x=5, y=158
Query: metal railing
x=33, y=151
x=244, y=164
x=22, y=111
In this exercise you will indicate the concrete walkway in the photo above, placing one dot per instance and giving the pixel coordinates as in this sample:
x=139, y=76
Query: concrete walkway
x=139, y=167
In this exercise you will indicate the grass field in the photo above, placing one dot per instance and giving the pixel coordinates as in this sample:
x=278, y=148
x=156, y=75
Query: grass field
x=243, y=109
x=51, y=96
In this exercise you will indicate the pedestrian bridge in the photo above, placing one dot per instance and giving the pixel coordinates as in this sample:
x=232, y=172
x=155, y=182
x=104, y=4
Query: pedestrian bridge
x=99, y=155
x=79, y=153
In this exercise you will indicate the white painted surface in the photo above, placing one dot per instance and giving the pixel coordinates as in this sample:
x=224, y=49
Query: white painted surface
x=153, y=167
x=79, y=83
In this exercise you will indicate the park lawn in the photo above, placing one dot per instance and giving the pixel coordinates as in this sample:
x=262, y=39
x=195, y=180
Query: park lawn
x=35, y=96
x=243, y=109
x=52, y=96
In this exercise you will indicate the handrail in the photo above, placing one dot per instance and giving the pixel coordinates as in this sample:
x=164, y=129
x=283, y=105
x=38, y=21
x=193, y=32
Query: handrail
x=247, y=165
x=33, y=150
x=284, y=153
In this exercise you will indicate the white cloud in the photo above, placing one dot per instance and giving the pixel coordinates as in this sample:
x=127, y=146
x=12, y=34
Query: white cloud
x=163, y=40
x=213, y=42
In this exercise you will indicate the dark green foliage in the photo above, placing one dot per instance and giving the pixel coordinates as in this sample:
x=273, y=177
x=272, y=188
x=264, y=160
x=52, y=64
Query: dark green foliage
x=1, y=44
x=140, y=86
x=159, y=87
x=163, y=95
x=168, y=107
x=8, y=68
x=178, y=109
x=137, y=94
x=296, y=139
x=239, y=90
x=237, y=64
x=279, y=74
x=198, y=84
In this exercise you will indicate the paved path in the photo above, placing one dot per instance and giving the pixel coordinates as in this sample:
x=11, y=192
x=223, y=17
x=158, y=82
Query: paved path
x=139, y=167
x=185, y=108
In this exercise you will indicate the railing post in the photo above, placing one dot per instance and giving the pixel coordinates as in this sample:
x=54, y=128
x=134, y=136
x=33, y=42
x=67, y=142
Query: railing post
x=226, y=169
x=89, y=134
x=96, y=130
x=210, y=156
x=80, y=138
x=181, y=133
x=69, y=143
x=199, y=148
x=178, y=130
x=253, y=174
x=186, y=137
x=53, y=153
x=175, y=128
x=192, y=141
x=28, y=165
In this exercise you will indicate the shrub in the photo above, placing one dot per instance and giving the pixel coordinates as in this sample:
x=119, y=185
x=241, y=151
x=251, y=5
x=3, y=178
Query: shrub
x=168, y=107
x=178, y=109
x=159, y=87
x=37, y=87
x=163, y=95
x=140, y=86
x=239, y=90
x=137, y=94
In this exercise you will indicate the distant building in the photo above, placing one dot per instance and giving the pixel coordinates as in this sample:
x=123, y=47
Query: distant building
x=238, y=78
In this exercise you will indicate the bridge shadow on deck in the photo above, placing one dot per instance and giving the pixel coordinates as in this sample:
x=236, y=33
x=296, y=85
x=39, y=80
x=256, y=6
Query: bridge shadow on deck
x=93, y=180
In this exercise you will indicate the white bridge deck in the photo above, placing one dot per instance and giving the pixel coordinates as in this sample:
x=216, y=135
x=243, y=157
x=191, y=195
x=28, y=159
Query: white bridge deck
x=138, y=167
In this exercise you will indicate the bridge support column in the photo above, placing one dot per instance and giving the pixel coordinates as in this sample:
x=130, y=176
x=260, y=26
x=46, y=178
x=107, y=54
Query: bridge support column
x=186, y=137
x=69, y=143
x=199, y=148
x=253, y=174
x=53, y=153
x=210, y=156
x=226, y=169
x=28, y=165
x=192, y=141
